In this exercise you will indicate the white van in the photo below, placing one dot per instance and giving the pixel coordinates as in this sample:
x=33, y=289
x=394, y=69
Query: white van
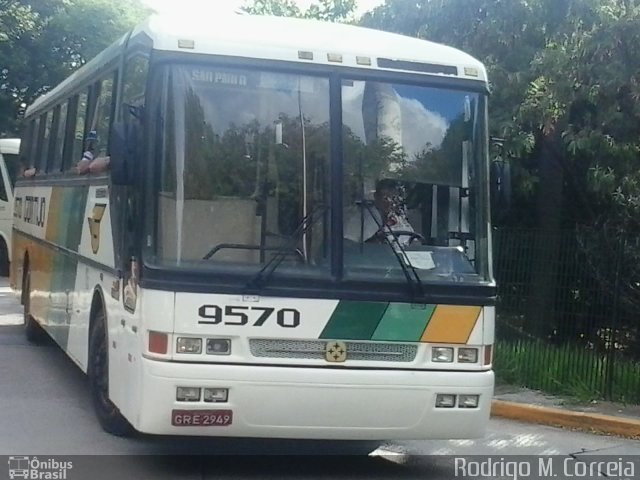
x=9, y=165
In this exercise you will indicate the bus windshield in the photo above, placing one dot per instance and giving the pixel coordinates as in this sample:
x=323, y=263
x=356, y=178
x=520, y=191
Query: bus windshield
x=13, y=166
x=413, y=176
x=245, y=161
x=245, y=175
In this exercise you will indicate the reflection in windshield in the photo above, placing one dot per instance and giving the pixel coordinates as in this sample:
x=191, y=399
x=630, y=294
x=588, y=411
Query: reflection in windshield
x=412, y=153
x=245, y=159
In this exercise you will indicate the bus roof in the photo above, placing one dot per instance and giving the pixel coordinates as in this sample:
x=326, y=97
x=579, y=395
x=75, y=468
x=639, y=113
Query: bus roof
x=302, y=41
x=283, y=38
x=10, y=145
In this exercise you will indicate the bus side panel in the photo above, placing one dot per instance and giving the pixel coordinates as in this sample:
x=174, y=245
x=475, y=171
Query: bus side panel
x=154, y=311
x=58, y=227
x=19, y=246
x=90, y=281
x=32, y=210
x=95, y=244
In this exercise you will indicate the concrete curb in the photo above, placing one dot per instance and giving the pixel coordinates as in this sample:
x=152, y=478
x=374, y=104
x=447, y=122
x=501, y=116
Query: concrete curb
x=585, y=421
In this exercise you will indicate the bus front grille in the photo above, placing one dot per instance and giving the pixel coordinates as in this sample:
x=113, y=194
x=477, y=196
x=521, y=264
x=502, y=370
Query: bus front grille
x=315, y=350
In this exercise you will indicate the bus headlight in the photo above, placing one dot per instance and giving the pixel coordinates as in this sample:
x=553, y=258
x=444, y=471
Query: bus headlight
x=467, y=355
x=442, y=354
x=188, y=394
x=468, y=401
x=216, y=395
x=218, y=346
x=189, y=345
x=445, y=400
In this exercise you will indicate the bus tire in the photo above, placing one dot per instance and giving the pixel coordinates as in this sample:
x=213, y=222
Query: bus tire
x=32, y=329
x=110, y=418
x=4, y=260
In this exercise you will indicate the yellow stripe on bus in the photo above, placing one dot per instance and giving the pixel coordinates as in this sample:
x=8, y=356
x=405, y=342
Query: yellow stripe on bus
x=55, y=212
x=451, y=324
x=41, y=261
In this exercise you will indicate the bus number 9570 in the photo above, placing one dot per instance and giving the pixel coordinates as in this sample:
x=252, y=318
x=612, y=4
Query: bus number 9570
x=254, y=316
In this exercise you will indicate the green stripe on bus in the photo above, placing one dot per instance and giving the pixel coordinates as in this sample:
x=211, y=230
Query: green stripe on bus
x=354, y=320
x=63, y=283
x=75, y=204
x=403, y=322
x=64, y=216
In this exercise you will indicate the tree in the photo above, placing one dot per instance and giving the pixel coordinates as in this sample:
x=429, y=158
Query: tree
x=43, y=41
x=16, y=21
x=565, y=90
x=327, y=10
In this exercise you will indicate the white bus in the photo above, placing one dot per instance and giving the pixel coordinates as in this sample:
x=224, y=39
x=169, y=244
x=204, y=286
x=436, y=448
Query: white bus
x=9, y=165
x=292, y=239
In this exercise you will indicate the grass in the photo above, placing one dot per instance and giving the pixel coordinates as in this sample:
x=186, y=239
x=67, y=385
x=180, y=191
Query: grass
x=578, y=373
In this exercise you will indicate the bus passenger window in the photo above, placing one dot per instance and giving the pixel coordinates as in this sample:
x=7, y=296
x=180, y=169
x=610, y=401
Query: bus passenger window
x=47, y=143
x=135, y=82
x=102, y=117
x=78, y=139
x=59, y=135
x=26, y=146
x=3, y=191
x=42, y=151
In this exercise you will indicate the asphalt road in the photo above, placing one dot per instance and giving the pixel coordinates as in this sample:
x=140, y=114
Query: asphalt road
x=45, y=410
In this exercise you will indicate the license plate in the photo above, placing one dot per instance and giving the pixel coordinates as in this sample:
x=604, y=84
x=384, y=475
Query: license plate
x=201, y=418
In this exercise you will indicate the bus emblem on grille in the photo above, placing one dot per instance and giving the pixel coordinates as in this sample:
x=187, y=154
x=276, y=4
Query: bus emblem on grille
x=335, y=352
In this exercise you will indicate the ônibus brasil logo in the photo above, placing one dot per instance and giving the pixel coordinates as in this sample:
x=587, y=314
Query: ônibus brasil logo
x=32, y=468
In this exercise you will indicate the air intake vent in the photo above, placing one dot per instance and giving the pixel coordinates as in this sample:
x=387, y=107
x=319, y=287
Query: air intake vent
x=315, y=350
x=416, y=66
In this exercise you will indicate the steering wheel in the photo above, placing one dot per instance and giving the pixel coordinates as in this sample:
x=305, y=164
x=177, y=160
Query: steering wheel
x=408, y=233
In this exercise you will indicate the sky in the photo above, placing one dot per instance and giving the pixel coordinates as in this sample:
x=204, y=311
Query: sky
x=231, y=5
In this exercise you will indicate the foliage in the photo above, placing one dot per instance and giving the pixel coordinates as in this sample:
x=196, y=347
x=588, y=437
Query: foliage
x=562, y=72
x=365, y=162
x=327, y=10
x=579, y=373
x=42, y=42
x=436, y=164
x=565, y=91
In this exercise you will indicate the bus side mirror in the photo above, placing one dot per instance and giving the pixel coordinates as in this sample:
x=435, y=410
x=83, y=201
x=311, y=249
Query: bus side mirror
x=500, y=179
x=123, y=152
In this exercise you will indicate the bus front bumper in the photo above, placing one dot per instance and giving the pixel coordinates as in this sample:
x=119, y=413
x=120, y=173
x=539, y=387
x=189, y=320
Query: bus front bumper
x=313, y=403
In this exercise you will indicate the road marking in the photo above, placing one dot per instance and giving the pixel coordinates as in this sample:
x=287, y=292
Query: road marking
x=11, y=319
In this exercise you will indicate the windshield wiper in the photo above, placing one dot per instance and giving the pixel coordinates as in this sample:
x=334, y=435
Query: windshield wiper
x=401, y=255
x=274, y=262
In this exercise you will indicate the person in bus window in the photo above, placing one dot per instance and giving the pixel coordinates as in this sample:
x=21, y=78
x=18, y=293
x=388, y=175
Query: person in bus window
x=29, y=172
x=90, y=163
x=89, y=154
x=388, y=210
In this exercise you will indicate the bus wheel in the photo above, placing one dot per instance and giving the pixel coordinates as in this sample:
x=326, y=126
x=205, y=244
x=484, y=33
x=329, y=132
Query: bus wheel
x=108, y=414
x=4, y=260
x=32, y=329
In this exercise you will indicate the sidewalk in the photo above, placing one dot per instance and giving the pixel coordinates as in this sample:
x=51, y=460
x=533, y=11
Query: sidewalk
x=531, y=406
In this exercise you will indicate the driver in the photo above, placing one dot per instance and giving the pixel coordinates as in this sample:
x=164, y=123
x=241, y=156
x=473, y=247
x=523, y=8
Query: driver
x=389, y=211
